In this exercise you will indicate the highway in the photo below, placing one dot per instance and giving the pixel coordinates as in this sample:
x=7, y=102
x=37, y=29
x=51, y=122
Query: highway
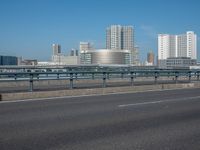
x=161, y=120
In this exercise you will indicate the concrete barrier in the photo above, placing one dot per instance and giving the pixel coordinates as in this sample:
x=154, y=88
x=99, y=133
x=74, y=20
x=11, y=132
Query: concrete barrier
x=62, y=82
x=95, y=91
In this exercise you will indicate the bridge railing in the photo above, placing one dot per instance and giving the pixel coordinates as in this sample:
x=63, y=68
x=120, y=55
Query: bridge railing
x=93, y=74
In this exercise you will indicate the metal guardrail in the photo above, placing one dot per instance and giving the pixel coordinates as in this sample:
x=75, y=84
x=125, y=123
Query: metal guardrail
x=93, y=72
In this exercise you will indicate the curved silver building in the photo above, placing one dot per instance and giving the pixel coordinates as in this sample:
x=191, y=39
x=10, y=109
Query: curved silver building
x=105, y=56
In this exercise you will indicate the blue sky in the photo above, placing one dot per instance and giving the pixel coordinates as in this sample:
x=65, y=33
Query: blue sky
x=29, y=27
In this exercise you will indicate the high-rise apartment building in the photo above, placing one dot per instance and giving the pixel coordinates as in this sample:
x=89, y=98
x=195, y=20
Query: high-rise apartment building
x=166, y=46
x=180, y=50
x=127, y=38
x=85, y=46
x=56, y=49
x=181, y=46
x=187, y=45
x=192, y=45
x=120, y=37
x=184, y=45
x=114, y=37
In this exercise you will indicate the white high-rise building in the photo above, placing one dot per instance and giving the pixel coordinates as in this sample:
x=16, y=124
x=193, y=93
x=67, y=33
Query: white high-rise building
x=120, y=37
x=181, y=46
x=166, y=46
x=113, y=37
x=56, y=49
x=191, y=45
x=127, y=38
x=177, y=45
x=163, y=46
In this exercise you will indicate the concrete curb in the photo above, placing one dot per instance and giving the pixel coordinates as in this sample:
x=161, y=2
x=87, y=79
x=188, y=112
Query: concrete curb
x=95, y=91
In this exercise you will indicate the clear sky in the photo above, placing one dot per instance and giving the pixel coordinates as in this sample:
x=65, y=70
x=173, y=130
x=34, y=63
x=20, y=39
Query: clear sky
x=29, y=27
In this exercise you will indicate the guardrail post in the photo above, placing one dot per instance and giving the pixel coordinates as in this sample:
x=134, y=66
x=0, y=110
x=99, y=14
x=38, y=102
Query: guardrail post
x=176, y=77
x=189, y=76
x=156, y=78
x=146, y=74
x=31, y=83
x=122, y=75
x=15, y=77
x=104, y=80
x=198, y=76
x=108, y=76
x=71, y=81
x=92, y=76
x=76, y=76
x=132, y=79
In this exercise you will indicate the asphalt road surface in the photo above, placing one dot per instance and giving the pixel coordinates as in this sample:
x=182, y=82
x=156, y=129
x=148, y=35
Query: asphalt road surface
x=162, y=120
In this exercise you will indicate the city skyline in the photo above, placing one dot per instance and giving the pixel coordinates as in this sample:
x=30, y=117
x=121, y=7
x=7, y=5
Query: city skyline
x=29, y=28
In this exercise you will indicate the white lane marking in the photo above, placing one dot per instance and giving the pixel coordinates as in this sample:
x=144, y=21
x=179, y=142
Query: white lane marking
x=162, y=101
